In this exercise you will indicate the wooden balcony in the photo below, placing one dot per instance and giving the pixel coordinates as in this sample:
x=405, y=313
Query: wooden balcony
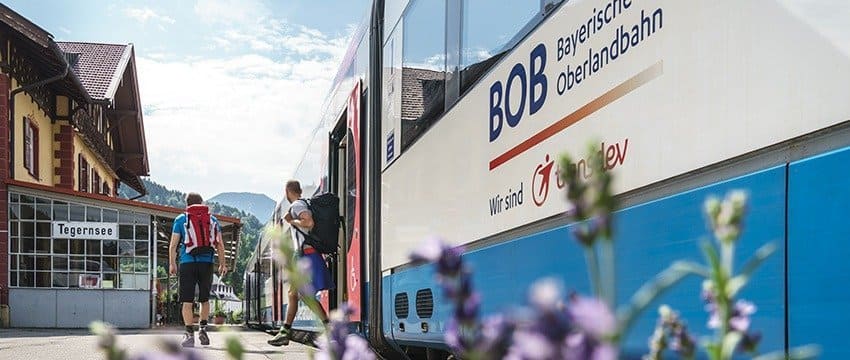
x=86, y=125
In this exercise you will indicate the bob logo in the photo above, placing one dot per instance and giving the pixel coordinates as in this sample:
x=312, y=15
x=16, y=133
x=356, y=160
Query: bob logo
x=531, y=88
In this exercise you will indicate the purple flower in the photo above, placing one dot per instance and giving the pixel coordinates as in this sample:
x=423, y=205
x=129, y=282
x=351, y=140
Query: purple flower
x=452, y=336
x=468, y=308
x=592, y=316
x=581, y=346
x=496, y=336
x=337, y=343
x=749, y=342
x=463, y=332
x=530, y=345
x=726, y=216
x=357, y=348
x=450, y=263
x=431, y=250
x=683, y=342
x=547, y=294
x=585, y=233
x=670, y=331
x=740, y=319
x=435, y=250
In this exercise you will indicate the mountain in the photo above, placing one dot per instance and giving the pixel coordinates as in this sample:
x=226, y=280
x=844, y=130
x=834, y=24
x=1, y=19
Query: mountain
x=258, y=205
x=251, y=226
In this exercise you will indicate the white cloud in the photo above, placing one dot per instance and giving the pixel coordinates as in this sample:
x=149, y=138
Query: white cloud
x=230, y=11
x=65, y=30
x=144, y=15
x=236, y=123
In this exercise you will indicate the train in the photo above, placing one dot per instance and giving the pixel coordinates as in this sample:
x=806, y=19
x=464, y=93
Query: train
x=446, y=118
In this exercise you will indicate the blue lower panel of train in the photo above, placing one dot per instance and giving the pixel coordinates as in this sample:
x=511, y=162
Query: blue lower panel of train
x=818, y=253
x=650, y=236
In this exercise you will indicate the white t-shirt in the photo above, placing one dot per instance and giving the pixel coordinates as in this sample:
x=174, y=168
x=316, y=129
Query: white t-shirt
x=295, y=210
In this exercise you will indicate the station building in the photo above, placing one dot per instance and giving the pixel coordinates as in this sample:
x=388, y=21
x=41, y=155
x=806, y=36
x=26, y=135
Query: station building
x=71, y=134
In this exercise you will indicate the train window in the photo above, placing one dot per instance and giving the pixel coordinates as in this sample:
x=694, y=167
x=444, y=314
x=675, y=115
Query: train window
x=423, y=71
x=490, y=28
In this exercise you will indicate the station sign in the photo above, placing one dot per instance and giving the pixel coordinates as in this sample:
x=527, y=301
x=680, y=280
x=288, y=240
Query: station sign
x=85, y=230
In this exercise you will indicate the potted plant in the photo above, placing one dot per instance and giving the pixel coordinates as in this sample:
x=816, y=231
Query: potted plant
x=218, y=313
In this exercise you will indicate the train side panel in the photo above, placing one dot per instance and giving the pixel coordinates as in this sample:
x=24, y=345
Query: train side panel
x=818, y=253
x=649, y=238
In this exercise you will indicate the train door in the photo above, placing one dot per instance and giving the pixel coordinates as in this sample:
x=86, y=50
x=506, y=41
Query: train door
x=337, y=170
x=345, y=170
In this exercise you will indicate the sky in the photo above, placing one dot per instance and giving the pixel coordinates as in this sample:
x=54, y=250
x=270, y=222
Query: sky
x=231, y=89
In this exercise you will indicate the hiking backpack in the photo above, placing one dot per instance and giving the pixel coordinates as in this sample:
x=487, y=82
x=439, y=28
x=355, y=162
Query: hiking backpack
x=201, y=231
x=326, y=222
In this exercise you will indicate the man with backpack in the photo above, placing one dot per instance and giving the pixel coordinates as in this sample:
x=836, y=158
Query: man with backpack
x=307, y=246
x=196, y=235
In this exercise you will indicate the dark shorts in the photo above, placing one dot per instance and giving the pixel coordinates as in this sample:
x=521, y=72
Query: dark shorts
x=193, y=274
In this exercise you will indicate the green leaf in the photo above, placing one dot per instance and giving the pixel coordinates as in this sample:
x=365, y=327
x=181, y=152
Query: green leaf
x=758, y=258
x=627, y=314
x=730, y=343
x=712, y=349
x=692, y=267
x=234, y=348
x=738, y=282
x=805, y=352
x=735, y=284
x=711, y=256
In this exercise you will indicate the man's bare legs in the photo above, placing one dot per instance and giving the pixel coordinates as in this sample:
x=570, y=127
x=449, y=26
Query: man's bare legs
x=188, y=316
x=205, y=310
x=292, y=308
x=282, y=337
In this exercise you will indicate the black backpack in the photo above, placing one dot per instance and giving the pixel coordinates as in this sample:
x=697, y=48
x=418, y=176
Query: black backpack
x=326, y=223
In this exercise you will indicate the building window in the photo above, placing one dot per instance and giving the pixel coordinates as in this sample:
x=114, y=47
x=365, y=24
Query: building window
x=38, y=260
x=491, y=28
x=95, y=183
x=31, y=147
x=83, y=175
x=106, y=189
x=423, y=73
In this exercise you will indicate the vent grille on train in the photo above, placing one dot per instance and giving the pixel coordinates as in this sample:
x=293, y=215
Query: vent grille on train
x=402, y=305
x=424, y=303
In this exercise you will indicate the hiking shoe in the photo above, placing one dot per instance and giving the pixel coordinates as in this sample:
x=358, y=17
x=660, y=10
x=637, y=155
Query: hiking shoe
x=188, y=340
x=281, y=339
x=202, y=335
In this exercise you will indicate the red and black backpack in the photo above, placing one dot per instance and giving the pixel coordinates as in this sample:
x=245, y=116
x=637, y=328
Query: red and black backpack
x=201, y=231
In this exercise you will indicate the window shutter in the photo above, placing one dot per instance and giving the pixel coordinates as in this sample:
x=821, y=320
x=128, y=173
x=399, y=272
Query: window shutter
x=28, y=145
x=83, y=175
x=34, y=151
x=95, y=182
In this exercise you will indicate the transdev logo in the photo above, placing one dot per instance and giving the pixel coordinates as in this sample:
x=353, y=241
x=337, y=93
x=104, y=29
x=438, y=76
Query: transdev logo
x=611, y=155
x=541, y=180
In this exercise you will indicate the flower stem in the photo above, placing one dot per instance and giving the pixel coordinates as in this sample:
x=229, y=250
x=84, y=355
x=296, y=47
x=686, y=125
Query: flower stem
x=609, y=268
x=593, y=270
x=727, y=255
